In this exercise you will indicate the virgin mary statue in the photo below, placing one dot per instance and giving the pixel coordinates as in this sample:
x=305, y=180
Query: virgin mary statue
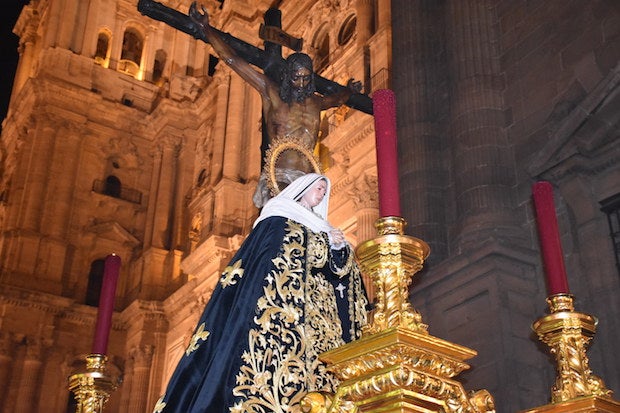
x=291, y=292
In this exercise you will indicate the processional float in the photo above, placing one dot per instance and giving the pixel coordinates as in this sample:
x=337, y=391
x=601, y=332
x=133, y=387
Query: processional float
x=397, y=366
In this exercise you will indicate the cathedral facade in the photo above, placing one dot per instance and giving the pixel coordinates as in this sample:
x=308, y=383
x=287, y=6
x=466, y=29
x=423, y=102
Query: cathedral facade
x=125, y=135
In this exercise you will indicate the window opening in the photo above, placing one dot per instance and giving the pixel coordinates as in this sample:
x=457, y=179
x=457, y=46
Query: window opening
x=112, y=186
x=103, y=48
x=347, y=30
x=131, y=53
x=322, y=53
x=95, y=282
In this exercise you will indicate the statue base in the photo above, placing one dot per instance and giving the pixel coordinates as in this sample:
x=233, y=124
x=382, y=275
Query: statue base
x=396, y=366
x=399, y=370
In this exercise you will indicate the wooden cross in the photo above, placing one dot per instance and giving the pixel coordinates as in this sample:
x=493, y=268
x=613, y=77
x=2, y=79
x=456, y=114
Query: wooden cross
x=269, y=60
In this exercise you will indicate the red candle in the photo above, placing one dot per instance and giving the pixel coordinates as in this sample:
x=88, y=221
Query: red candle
x=106, y=304
x=549, y=236
x=384, y=110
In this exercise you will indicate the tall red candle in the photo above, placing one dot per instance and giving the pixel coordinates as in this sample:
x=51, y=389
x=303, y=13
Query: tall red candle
x=549, y=236
x=106, y=304
x=384, y=110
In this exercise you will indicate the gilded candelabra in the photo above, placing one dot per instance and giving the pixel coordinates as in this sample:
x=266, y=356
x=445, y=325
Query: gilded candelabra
x=93, y=385
x=567, y=333
x=396, y=366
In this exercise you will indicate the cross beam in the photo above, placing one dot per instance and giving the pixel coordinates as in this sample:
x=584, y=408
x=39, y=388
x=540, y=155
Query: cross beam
x=268, y=62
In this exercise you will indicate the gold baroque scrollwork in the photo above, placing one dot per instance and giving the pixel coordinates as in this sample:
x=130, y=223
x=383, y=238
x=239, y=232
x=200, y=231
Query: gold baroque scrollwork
x=568, y=334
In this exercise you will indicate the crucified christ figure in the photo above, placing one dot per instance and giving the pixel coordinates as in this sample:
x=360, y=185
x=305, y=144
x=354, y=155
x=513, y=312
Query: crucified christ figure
x=291, y=108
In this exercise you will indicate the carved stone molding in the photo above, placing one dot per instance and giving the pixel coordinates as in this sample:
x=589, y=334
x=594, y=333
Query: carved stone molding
x=363, y=191
x=141, y=355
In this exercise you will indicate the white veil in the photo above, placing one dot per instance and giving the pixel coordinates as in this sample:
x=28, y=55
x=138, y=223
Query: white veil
x=285, y=204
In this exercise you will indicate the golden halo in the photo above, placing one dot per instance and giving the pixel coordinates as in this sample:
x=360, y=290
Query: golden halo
x=276, y=148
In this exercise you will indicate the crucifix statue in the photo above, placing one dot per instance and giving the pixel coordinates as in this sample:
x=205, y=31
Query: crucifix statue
x=291, y=108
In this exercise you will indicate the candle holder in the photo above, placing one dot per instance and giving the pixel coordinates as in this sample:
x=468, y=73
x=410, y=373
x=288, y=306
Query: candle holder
x=396, y=366
x=391, y=260
x=568, y=333
x=93, y=386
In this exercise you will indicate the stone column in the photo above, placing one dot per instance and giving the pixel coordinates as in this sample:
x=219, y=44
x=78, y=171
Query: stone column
x=419, y=72
x=27, y=392
x=142, y=357
x=484, y=171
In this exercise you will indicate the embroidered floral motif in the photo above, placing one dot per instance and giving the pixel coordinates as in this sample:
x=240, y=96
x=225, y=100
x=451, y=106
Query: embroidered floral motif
x=230, y=272
x=159, y=406
x=318, y=249
x=296, y=320
x=282, y=361
x=200, y=334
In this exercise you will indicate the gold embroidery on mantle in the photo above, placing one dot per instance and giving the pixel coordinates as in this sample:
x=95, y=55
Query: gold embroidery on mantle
x=200, y=334
x=160, y=405
x=229, y=274
x=294, y=324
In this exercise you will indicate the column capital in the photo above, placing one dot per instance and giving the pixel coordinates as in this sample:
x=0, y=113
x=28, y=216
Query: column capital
x=363, y=192
x=142, y=355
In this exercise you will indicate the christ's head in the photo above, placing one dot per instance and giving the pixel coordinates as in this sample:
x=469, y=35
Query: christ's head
x=298, y=79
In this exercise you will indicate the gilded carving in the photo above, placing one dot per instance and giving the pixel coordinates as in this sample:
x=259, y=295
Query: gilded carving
x=93, y=385
x=396, y=362
x=568, y=333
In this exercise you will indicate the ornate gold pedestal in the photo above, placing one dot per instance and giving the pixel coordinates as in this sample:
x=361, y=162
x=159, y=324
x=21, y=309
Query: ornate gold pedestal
x=568, y=333
x=92, y=386
x=397, y=366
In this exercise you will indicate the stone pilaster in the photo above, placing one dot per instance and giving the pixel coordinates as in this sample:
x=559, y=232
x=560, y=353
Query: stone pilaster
x=125, y=388
x=384, y=14
x=141, y=357
x=363, y=192
x=64, y=166
x=28, y=386
x=234, y=129
x=364, y=11
x=222, y=77
x=42, y=143
x=28, y=37
x=164, y=191
x=6, y=360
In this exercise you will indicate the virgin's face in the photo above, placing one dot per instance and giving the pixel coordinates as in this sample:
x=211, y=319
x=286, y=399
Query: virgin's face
x=315, y=194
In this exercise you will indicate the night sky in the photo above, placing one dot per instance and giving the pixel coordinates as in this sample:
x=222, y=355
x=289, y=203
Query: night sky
x=8, y=50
